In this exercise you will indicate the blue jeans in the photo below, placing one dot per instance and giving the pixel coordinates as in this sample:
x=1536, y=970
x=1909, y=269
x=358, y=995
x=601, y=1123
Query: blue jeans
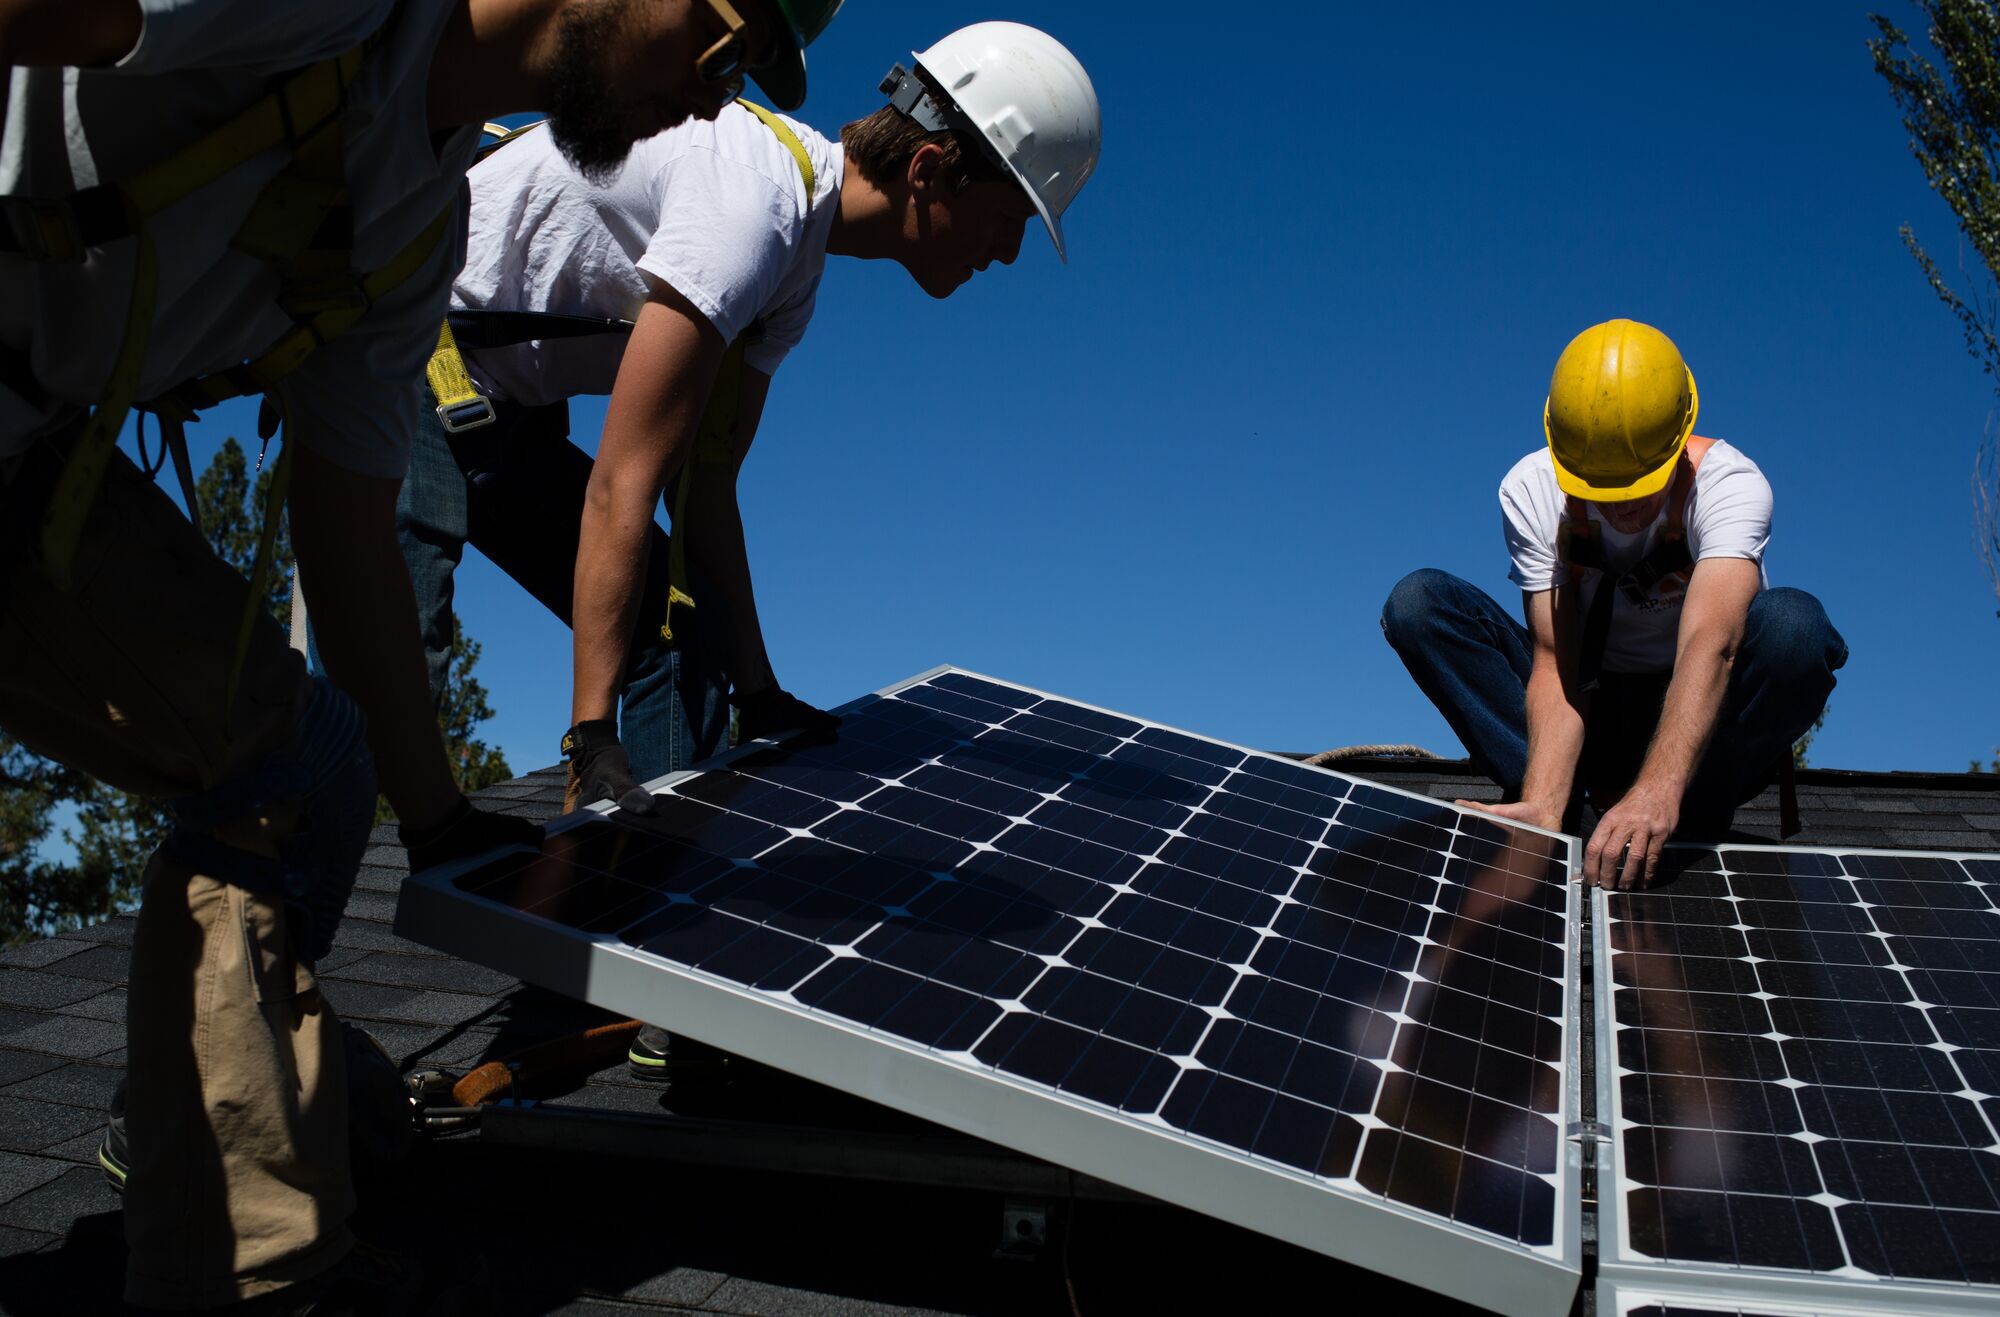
x=1472, y=659
x=514, y=490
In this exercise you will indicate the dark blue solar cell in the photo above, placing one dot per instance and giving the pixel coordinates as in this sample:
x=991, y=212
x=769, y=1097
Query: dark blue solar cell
x=1032, y=724
x=1151, y=966
x=762, y=958
x=972, y=708
x=1350, y=853
x=1181, y=928
x=872, y=834
x=1011, y=696
x=981, y=793
x=1231, y=835
x=1188, y=747
x=1121, y=1076
x=787, y=770
x=1195, y=777
x=1267, y=817
x=1106, y=724
x=1695, y=1226
x=936, y=814
x=1095, y=825
x=1416, y=809
x=763, y=801
x=1072, y=855
x=1238, y=905
x=1033, y=1047
x=1218, y=1107
x=1309, y=1137
x=1225, y=865
x=939, y=1016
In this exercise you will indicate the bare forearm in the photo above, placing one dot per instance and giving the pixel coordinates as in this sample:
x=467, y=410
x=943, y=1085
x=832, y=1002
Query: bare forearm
x=716, y=546
x=78, y=33
x=610, y=579
x=1687, y=719
x=1555, y=739
x=364, y=615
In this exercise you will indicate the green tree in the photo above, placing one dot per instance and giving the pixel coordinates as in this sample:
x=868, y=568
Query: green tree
x=1953, y=118
x=1804, y=743
x=113, y=831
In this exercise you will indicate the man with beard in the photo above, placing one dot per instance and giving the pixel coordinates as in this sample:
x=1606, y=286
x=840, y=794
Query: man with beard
x=201, y=199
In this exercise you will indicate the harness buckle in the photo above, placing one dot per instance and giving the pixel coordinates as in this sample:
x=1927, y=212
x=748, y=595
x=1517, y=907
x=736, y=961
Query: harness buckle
x=470, y=414
x=45, y=230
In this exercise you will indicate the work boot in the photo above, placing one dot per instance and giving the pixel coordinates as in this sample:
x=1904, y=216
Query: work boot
x=112, y=1153
x=368, y=1282
x=659, y=1057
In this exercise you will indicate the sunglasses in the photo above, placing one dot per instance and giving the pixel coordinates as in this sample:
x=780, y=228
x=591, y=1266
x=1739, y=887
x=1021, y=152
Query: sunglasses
x=730, y=57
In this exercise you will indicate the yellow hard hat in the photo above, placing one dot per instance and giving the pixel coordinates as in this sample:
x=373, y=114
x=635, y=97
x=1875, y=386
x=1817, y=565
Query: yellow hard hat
x=1621, y=407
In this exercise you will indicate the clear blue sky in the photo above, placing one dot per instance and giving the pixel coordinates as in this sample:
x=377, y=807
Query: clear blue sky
x=1317, y=286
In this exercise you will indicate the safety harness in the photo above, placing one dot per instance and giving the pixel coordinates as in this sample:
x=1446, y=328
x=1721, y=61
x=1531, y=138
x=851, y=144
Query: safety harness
x=1580, y=546
x=300, y=225
x=461, y=407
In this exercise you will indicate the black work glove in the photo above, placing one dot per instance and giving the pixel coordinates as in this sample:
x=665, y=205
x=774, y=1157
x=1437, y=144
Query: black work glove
x=600, y=770
x=773, y=710
x=466, y=831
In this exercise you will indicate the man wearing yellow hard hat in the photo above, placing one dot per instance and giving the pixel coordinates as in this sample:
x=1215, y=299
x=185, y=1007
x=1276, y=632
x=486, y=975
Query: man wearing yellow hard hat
x=1658, y=674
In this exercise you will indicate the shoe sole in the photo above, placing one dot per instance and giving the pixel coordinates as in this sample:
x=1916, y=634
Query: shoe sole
x=656, y=1069
x=112, y=1170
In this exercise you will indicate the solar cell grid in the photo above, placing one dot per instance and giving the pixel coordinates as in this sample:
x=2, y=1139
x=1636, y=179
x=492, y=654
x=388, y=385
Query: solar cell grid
x=1805, y=1061
x=1304, y=970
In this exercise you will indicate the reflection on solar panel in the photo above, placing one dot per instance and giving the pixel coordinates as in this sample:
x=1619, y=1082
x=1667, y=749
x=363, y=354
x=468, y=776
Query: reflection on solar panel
x=1327, y=1010
x=1807, y=1052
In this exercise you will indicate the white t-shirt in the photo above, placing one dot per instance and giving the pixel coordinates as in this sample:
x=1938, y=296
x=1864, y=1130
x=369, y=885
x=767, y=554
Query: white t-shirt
x=1728, y=515
x=717, y=211
x=197, y=63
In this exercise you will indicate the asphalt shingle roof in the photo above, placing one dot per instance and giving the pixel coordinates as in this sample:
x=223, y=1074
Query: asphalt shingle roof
x=591, y=1234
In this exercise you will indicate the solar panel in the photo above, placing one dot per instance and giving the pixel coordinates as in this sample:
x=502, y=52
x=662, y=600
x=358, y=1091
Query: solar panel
x=1326, y=1010
x=1616, y=1299
x=1800, y=1054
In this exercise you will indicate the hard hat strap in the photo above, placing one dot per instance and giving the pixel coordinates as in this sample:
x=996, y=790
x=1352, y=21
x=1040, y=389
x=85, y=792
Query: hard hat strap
x=911, y=95
x=913, y=100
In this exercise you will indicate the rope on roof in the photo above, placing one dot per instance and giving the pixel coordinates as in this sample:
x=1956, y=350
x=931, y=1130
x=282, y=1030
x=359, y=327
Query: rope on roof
x=1325, y=757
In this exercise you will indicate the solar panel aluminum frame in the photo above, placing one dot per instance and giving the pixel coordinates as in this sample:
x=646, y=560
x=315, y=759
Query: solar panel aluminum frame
x=1350, y=1224
x=1788, y=1291
x=1617, y=1298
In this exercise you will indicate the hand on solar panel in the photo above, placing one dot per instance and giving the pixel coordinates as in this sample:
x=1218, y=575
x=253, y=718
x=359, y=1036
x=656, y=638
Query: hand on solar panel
x=1624, y=851
x=772, y=710
x=466, y=831
x=600, y=770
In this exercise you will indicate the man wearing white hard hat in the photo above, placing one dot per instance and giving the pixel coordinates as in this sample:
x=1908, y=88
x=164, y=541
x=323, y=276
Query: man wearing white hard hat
x=678, y=286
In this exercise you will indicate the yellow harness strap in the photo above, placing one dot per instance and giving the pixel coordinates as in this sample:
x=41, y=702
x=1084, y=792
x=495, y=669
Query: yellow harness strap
x=297, y=110
x=460, y=405
x=715, y=438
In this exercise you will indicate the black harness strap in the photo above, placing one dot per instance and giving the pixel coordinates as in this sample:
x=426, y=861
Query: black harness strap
x=499, y=329
x=1581, y=548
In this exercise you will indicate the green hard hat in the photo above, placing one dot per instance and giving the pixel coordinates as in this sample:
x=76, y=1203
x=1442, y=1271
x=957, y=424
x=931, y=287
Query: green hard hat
x=784, y=78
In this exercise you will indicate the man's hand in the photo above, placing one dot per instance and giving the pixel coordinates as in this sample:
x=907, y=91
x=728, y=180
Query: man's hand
x=466, y=831
x=600, y=770
x=1624, y=852
x=773, y=710
x=1523, y=811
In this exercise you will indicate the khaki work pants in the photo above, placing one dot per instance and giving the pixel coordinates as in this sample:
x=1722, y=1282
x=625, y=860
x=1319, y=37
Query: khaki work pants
x=236, y=1108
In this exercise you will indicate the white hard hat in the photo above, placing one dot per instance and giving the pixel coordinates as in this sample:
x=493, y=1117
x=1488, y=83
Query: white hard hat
x=1023, y=92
